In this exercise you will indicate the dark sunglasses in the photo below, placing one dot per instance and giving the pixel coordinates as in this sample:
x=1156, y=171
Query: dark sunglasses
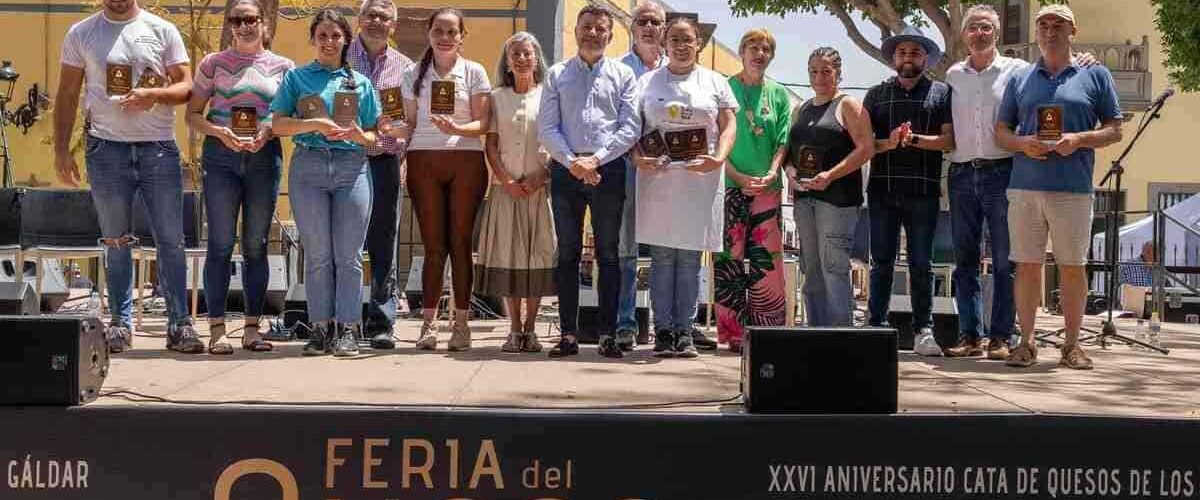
x=243, y=21
x=379, y=18
x=646, y=21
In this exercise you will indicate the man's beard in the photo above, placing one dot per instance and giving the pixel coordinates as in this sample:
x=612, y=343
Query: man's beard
x=910, y=70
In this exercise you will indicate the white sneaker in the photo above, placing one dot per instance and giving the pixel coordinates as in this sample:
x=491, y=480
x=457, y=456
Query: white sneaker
x=926, y=345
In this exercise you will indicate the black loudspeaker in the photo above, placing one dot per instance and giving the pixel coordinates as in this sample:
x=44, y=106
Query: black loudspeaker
x=52, y=360
x=819, y=370
x=945, y=320
x=65, y=218
x=17, y=299
x=295, y=308
x=589, y=332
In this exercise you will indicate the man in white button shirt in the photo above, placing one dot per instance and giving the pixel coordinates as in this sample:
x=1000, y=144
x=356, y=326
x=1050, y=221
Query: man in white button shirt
x=978, y=183
x=979, y=175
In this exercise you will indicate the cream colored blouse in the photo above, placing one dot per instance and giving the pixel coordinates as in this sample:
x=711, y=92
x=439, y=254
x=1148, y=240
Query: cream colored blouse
x=514, y=119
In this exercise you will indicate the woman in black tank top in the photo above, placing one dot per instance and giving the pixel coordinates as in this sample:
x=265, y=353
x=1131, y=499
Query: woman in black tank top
x=829, y=142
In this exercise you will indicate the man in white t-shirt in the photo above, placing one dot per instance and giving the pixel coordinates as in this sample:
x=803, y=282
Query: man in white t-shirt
x=133, y=67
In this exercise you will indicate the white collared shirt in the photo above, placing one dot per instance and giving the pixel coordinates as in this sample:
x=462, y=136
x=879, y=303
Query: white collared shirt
x=974, y=103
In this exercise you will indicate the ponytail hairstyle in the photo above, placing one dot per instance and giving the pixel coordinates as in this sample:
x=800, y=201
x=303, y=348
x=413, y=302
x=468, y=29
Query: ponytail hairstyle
x=427, y=57
x=335, y=17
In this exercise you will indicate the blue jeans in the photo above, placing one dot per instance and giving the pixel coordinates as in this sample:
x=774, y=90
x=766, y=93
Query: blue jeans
x=569, y=197
x=917, y=215
x=628, y=252
x=331, y=202
x=674, y=287
x=117, y=171
x=826, y=234
x=978, y=196
x=386, y=201
x=247, y=183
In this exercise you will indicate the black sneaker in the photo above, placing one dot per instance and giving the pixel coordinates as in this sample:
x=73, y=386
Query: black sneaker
x=702, y=341
x=383, y=341
x=664, y=343
x=320, y=341
x=626, y=339
x=685, y=347
x=120, y=338
x=609, y=348
x=567, y=346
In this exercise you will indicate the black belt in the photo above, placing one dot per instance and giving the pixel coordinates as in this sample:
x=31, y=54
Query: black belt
x=584, y=155
x=985, y=163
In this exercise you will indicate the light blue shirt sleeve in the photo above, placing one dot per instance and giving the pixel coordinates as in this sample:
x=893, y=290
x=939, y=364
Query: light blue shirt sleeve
x=368, y=111
x=629, y=122
x=1108, y=105
x=284, y=102
x=550, y=131
x=1008, y=112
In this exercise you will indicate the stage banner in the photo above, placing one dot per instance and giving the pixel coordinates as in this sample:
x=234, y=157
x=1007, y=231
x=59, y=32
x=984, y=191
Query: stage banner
x=324, y=453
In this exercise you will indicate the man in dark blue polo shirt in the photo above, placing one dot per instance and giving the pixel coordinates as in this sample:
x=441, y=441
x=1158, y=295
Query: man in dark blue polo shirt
x=911, y=117
x=1050, y=191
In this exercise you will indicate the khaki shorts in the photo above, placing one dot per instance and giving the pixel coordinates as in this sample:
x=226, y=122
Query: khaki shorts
x=1066, y=218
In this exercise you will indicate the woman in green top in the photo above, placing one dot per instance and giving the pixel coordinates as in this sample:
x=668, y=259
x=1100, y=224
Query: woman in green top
x=752, y=199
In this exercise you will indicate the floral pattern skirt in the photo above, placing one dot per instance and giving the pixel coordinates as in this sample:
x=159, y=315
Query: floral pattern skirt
x=748, y=275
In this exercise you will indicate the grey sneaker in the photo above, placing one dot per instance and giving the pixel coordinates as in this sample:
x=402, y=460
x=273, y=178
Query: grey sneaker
x=183, y=338
x=120, y=338
x=383, y=341
x=428, y=340
x=319, y=341
x=664, y=343
x=514, y=342
x=626, y=339
x=347, y=342
x=685, y=346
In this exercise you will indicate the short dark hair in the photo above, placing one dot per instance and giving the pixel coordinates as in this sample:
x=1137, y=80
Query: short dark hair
x=596, y=11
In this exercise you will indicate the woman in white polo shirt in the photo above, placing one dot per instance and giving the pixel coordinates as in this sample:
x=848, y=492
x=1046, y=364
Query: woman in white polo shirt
x=447, y=177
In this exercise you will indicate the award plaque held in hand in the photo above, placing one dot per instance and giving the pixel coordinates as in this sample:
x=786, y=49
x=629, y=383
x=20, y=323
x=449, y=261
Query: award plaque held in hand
x=441, y=97
x=393, y=104
x=151, y=80
x=1050, y=123
x=345, y=108
x=119, y=79
x=244, y=122
x=810, y=162
x=653, y=145
x=312, y=107
x=686, y=145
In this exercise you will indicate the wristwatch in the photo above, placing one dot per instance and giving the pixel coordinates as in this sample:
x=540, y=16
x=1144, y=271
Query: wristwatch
x=915, y=139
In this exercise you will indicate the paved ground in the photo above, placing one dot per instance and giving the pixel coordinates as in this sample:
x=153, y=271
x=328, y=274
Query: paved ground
x=1125, y=382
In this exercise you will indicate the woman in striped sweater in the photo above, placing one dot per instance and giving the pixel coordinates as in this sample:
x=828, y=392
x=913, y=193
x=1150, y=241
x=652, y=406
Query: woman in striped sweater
x=242, y=161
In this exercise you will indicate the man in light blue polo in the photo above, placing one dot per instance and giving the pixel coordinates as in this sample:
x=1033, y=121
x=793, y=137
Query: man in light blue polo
x=587, y=122
x=1050, y=191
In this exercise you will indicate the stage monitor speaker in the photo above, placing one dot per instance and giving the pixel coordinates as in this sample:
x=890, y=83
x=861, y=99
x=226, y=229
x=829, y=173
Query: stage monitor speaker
x=52, y=360
x=819, y=370
x=17, y=299
x=59, y=218
x=945, y=320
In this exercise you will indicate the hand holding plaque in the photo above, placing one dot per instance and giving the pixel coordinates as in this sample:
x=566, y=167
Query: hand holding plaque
x=441, y=97
x=1050, y=123
x=151, y=80
x=810, y=161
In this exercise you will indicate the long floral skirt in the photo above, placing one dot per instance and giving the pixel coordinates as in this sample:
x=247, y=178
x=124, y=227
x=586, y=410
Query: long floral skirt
x=748, y=275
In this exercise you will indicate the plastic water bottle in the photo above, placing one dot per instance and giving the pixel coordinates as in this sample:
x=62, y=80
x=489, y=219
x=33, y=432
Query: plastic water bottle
x=94, y=308
x=1139, y=334
x=1155, y=331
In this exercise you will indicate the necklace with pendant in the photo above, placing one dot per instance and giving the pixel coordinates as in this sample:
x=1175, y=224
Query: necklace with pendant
x=756, y=125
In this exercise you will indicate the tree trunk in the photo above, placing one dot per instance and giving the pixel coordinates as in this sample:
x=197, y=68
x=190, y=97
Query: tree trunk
x=270, y=15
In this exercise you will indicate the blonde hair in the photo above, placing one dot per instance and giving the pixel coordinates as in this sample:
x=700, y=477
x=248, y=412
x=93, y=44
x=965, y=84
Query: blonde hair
x=757, y=35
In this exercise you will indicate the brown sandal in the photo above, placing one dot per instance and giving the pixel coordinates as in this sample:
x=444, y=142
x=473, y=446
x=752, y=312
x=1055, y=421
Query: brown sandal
x=257, y=345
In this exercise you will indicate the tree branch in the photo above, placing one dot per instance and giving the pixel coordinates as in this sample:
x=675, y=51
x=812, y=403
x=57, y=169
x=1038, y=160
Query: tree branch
x=836, y=8
x=881, y=12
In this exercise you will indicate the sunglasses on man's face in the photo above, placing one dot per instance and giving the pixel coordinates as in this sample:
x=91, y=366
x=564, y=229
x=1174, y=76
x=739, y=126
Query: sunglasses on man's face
x=243, y=20
x=646, y=21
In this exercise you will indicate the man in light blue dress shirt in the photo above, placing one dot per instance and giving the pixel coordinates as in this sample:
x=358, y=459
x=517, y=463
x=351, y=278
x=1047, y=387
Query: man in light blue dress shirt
x=588, y=121
x=646, y=55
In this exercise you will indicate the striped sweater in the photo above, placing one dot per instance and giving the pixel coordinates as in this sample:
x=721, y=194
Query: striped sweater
x=230, y=79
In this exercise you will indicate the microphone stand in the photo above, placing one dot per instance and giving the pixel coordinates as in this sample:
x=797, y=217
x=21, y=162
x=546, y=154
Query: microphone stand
x=1112, y=239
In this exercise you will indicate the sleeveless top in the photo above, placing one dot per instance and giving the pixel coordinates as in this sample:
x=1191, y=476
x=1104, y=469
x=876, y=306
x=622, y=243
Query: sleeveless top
x=817, y=126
